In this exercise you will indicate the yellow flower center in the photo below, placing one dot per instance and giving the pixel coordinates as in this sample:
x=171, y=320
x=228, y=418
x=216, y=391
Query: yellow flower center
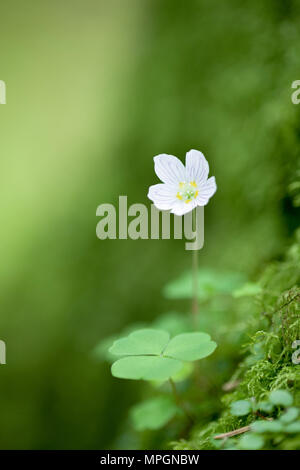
x=187, y=191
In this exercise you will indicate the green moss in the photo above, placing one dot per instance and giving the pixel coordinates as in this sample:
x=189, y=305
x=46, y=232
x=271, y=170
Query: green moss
x=267, y=363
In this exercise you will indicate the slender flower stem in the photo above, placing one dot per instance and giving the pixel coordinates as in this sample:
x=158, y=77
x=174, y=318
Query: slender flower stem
x=195, y=303
x=179, y=402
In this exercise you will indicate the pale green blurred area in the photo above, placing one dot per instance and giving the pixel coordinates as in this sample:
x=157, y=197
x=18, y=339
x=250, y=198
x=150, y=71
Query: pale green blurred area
x=95, y=89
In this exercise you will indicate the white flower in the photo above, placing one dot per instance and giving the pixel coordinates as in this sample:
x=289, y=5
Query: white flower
x=184, y=187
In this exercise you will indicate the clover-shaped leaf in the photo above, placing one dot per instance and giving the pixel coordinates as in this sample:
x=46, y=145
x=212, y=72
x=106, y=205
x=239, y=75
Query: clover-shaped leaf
x=151, y=355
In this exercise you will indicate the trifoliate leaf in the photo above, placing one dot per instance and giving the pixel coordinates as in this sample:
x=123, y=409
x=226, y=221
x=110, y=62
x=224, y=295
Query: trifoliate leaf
x=251, y=441
x=145, y=368
x=281, y=398
x=267, y=426
x=153, y=413
x=190, y=346
x=151, y=356
x=290, y=415
x=248, y=289
x=240, y=408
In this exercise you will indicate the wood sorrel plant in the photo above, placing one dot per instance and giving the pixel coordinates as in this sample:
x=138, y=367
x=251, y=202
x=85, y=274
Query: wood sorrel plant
x=151, y=354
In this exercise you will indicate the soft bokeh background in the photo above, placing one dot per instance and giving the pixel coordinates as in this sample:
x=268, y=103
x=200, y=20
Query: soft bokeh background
x=95, y=89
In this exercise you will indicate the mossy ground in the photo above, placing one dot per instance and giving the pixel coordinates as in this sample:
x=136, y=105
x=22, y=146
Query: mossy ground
x=267, y=364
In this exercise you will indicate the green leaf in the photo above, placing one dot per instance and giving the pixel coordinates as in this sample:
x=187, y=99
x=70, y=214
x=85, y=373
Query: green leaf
x=153, y=413
x=151, y=356
x=210, y=283
x=293, y=428
x=281, y=398
x=240, y=408
x=141, y=342
x=145, y=368
x=190, y=346
x=251, y=441
x=248, y=289
x=267, y=426
x=290, y=415
x=265, y=406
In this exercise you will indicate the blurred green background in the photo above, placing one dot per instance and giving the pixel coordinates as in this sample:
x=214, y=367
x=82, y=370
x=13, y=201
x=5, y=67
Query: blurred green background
x=95, y=89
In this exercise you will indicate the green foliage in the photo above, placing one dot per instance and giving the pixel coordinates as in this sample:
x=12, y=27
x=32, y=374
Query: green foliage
x=290, y=415
x=153, y=413
x=210, y=283
x=294, y=188
x=281, y=398
x=210, y=74
x=240, y=407
x=251, y=442
x=266, y=384
x=151, y=355
x=265, y=406
x=293, y=428
x=268, y=432
x=172, y=322
x=267, y=426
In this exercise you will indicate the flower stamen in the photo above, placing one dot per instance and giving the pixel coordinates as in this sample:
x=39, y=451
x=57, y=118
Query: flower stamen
x=187, y=191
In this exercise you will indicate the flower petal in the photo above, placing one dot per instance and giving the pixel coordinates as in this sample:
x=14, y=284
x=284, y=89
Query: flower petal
x=163, y=196
x=196, y=166
x=169, y=169
x=206, y=191
x=181, y=208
